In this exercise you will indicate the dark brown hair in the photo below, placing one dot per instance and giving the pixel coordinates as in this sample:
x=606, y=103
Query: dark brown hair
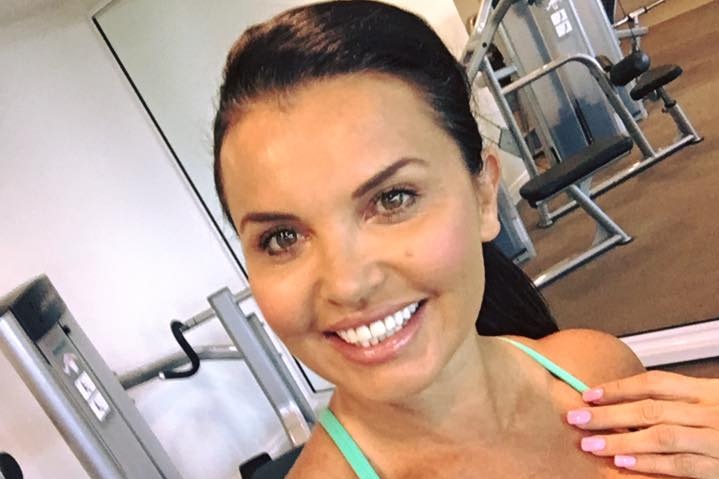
x=344, y=37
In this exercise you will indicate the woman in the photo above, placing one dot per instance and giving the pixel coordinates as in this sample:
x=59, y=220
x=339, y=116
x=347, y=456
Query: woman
x=348, y=159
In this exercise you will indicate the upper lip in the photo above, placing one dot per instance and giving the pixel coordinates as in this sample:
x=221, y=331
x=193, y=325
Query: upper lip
x=367, y=317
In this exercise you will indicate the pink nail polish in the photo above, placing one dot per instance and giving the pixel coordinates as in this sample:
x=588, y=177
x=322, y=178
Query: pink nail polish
x=593, y=394
x=625, y=461
x=593, y=443
x=578, y=417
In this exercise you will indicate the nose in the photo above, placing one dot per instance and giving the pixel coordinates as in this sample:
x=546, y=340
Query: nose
x=350, y=273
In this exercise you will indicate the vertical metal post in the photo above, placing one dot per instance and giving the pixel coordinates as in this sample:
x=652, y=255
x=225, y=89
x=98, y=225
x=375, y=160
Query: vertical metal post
x=506, y=111
x=262, y=367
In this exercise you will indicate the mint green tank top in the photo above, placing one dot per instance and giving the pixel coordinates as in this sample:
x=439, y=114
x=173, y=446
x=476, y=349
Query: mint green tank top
x=357, y=460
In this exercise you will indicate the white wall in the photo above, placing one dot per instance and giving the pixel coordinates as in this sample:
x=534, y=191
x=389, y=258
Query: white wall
x=90, y=196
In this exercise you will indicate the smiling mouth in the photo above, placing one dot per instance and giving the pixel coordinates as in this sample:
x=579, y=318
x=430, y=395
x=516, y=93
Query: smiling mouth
x=381, y=330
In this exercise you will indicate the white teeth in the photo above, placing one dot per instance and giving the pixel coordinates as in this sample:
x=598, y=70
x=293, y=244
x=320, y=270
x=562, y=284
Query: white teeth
x=377, y=328
x=380, y=330
x=363, y=333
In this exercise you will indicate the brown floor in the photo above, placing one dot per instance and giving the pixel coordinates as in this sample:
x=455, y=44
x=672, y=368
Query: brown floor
x=669, y=274
x=666, y=11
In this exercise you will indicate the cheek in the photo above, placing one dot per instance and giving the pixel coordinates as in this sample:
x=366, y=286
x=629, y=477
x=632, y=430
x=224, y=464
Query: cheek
x=448, y=252
x=283, y=300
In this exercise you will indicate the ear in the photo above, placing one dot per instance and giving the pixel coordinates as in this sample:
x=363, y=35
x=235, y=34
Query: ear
x=486, y=185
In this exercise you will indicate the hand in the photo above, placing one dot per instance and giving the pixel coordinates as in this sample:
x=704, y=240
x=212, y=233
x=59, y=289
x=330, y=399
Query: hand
x=670, y=424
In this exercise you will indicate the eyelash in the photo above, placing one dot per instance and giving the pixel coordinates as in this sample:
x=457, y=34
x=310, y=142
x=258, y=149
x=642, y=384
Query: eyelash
x=265, y=238
x=410, y=192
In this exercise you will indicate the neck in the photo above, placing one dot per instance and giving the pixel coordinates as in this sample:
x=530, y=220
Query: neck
x=476, y=399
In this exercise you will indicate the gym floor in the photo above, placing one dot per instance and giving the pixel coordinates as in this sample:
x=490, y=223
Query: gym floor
x=669, y=275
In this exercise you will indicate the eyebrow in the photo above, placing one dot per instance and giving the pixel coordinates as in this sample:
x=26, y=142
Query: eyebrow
x=383, y=175
x=373, y=182
x=269, y=217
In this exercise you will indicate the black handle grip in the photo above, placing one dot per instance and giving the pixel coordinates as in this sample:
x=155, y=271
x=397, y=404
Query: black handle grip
x=9, y=468
x=177, y=328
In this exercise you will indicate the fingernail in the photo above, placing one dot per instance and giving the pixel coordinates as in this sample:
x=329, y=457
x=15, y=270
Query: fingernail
x=578, y=417
x=593, y=394
x=625, y=461
x=593, y=443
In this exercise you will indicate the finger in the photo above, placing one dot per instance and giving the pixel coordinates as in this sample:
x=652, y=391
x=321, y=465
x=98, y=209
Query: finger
x=677, y=465
x=644, y=413
x=656, y=439
x=656, y=385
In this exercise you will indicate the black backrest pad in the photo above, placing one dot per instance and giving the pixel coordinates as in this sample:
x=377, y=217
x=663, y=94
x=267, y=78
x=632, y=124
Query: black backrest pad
x=36, y=305
x=579, y=166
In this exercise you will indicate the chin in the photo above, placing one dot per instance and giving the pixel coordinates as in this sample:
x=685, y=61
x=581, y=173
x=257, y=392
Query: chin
x=393, y=382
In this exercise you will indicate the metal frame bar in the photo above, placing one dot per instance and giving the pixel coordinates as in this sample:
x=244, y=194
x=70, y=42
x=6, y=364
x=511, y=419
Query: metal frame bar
x=265, y=370
x=506, y=111
x=152, y=371
x=488, y=21
x=612, y=233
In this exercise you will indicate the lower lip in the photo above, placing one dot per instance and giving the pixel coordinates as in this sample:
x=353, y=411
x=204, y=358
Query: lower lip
x=385, y=350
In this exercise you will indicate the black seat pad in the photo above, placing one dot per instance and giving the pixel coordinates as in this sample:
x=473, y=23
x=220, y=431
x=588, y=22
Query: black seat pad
x=576, y=167
x=655, y=78
x=278, y=468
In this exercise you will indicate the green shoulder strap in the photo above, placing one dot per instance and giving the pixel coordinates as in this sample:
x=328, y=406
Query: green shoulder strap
x=347, y=446
x=550, y=366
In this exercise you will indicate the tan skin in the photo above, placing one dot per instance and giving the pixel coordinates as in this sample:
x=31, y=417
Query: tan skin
x=451, y=403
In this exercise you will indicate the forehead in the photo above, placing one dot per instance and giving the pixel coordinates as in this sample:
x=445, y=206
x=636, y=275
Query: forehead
x=330, y=134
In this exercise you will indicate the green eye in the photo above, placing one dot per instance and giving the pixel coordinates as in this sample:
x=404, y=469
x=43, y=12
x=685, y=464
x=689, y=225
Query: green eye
x=394, y=201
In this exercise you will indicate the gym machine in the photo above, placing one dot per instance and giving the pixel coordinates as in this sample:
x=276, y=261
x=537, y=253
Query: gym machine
x=577, y=131
x=89, y=404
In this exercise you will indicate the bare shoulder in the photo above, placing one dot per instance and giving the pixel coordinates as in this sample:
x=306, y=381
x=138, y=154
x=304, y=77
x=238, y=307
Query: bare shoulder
x=320, y=459
x=594, y=355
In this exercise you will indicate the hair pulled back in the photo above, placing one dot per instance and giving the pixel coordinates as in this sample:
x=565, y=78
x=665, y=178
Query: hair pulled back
x=342, y=37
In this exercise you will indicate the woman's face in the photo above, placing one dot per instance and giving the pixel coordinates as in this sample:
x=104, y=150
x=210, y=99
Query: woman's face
x=362, y=230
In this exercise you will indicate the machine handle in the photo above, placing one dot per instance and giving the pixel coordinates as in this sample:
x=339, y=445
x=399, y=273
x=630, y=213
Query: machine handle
x=177, y=329
x=9, y=468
